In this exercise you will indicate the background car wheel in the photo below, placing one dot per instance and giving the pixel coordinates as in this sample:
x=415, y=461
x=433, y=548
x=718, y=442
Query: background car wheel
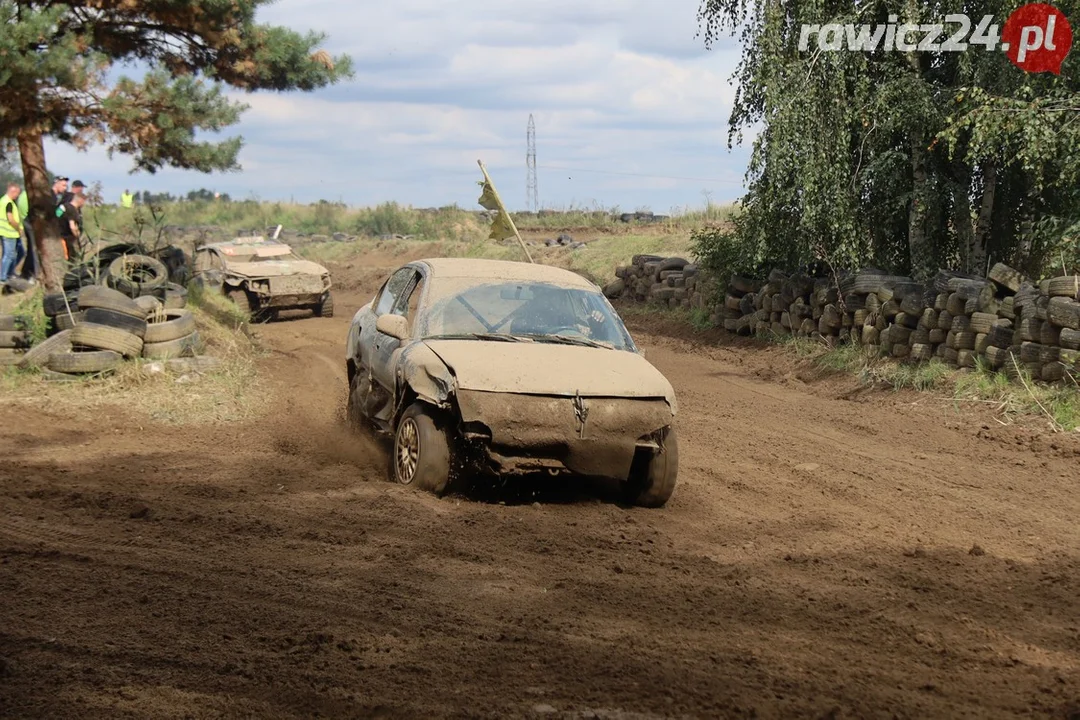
x=241, y=300
x=421, y=457
x=652, y=480
x=326, y=307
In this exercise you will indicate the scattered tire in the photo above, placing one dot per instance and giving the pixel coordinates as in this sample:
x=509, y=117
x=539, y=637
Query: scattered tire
x=177, y=324
x=99, y=296
x=149, y=303
x=136, y=275
x=113, y=319
x=1063, y=312
x=11, y=357
x=175, y=296
x=66, y=321
x=1067, y=286
x=103, y=337
x=652, y=477
x=14, y=339
x=187, y=346
x=54, y=303
x=38, y=355
x=86, y=362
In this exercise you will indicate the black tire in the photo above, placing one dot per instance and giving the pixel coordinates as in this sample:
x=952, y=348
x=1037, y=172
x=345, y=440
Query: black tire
x=136, y=275
x=242, y=300
x=53, y=303
x=177, y=324
x=99, y=296
x=421, y=456
x=175, y=296
x=121, y=321
x=92, y=361
x=187, y=346
x=326, y=307
x=652, y=480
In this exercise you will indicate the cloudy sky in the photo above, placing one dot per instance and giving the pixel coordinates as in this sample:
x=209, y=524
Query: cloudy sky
x=630, y=109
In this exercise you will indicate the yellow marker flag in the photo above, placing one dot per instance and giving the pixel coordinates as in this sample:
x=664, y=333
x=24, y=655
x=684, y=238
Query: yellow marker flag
x=488, y=199
x=503, y=225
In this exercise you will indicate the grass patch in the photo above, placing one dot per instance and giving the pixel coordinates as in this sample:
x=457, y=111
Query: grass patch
x=451, y=222
x=1009, y=399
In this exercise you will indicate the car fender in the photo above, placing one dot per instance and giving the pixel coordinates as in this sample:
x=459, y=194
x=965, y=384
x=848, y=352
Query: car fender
x=420, y=371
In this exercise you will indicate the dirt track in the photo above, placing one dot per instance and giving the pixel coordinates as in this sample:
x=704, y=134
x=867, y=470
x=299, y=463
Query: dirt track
x=819, y=559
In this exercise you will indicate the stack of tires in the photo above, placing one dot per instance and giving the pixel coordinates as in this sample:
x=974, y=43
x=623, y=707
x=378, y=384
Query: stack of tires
x=136, y=277
x=14, y=340
x=103, y=327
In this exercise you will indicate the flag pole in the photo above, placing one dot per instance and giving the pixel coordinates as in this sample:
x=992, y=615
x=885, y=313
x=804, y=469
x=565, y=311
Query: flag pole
x=502, y=209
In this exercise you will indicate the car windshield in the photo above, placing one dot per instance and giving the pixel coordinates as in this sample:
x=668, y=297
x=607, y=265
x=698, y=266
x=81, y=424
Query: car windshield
x=525, y=311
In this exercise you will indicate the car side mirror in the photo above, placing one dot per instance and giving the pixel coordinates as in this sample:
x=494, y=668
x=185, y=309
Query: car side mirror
x=395, y=326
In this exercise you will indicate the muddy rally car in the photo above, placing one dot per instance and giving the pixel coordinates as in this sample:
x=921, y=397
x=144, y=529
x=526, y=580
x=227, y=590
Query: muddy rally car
x=508, y=368
x=264, y=276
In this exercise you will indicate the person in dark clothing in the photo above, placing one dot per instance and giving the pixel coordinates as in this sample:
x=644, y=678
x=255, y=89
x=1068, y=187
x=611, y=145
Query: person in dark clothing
x=69, y=215
x=60, y=189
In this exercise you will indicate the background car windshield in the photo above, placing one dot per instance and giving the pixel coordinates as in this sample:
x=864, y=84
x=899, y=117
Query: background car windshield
x=522, y=308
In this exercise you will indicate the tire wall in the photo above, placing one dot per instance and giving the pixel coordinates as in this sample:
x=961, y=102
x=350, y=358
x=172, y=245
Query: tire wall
x=1002, y=322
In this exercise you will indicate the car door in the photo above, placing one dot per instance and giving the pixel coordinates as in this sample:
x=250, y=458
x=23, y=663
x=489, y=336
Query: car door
x=384, y=359
x=375, y=348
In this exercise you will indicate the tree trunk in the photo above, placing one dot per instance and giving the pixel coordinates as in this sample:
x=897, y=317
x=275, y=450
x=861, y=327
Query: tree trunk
x=986, y=216
x=42, y=205
x=918, y=249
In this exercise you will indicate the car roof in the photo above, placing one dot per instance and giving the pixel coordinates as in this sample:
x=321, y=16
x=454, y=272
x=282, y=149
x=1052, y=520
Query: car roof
x=481, y=269
x=254, y=242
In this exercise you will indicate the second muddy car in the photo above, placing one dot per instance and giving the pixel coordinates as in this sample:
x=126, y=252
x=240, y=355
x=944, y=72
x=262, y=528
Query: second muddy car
x=505, y=368
x=264, y=276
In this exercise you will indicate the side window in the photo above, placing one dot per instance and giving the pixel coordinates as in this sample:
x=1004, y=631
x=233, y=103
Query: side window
x=391, y=289
x=407, y=306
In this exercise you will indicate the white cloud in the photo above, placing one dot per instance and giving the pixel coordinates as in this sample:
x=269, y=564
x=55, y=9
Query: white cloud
x=622, y=92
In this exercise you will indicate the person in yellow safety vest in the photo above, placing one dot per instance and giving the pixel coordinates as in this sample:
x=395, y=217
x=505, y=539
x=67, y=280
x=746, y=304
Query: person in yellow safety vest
x=26, y=271
x=10, y=230
x=127, y=199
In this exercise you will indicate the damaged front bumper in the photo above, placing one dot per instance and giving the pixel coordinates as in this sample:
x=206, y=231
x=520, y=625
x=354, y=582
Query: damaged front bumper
x=290, y=291
x=515, y=434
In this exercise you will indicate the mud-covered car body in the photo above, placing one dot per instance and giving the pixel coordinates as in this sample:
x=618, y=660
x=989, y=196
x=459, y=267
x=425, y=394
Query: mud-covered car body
x=514, y=394
x=263, y=274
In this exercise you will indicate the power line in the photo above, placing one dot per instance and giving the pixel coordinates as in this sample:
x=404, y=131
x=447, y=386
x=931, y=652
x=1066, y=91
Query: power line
x=656, y=177
x=531, y=202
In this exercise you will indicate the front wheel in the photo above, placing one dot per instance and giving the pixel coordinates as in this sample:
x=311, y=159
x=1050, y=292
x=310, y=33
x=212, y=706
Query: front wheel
x=422, y=456
x=652, y=479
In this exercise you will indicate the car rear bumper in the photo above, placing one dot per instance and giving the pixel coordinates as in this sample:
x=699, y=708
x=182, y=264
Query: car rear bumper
x=527, y=433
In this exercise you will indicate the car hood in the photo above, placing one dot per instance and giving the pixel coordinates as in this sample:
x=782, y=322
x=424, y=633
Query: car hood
x=275, y=268
x=547, y=369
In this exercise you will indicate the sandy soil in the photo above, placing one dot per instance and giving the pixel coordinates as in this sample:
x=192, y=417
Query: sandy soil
x=828, y=554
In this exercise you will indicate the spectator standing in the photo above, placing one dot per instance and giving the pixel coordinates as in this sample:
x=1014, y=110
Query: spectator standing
x=127, y=200
x=71, y=224
x=10, y=230
x=60, y=189
x=77, y=189
x=25, y=254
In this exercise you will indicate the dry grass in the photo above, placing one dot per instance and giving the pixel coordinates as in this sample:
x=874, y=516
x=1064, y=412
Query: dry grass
x=597, y=261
